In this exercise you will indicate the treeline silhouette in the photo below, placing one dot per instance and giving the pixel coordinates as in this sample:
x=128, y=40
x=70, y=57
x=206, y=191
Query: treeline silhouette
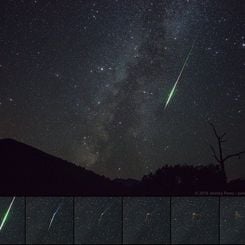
x=184, y=179
x=29, y=171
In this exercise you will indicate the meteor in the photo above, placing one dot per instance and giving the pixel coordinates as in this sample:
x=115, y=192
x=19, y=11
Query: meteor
x=103, y=213
x=148, y=215
x=179, y=76
x=6, y=214
x=53, y=216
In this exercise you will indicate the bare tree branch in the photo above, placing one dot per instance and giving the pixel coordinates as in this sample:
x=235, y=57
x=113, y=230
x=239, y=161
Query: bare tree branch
x=214, y=153
x=223, y=135
x=219, y=157
x=214, y=129
x=234, y=155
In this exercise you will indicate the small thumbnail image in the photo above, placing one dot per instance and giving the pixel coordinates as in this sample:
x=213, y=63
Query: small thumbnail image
x=146, y=220
x=49, y=220
x=98, y=220
x=195, y=220
x=232, y=220
x=12, y=218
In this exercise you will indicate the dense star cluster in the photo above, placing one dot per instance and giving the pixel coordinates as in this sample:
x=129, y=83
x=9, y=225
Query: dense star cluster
x=88, y=81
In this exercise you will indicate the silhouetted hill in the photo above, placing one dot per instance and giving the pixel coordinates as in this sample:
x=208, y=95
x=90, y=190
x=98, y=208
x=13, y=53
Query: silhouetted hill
x=29, y=171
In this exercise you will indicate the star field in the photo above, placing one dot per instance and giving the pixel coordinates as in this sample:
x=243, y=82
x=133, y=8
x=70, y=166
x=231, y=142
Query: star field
x=195, y=220
x=127, y=220
x=87, y=81
x=39, y=213
x=232, y=220
x=98, y=220
x=146, y=220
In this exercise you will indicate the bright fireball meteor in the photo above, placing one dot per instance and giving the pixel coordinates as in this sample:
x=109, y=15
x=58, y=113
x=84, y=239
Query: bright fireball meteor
x=6, y=214
x=179, y=76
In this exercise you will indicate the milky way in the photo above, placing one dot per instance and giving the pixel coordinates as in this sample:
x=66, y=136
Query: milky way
x=87, y=81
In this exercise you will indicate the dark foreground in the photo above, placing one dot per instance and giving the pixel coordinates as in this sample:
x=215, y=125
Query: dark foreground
x=31, y=172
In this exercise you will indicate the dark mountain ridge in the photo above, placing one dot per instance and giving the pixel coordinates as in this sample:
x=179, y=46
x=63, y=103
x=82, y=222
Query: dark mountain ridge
x=28, y=171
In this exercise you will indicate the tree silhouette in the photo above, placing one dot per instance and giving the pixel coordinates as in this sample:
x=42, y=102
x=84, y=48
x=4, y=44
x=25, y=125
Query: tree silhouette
x=219, y=157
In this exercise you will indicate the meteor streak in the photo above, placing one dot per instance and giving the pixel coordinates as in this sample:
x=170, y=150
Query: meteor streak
x=54, y=214
x=179, y=76
x=103, y=213
x=6, y=214
x=148, y=215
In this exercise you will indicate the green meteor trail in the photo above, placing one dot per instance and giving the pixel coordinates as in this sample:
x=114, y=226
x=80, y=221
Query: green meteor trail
x=179, y=76
x=6, y=214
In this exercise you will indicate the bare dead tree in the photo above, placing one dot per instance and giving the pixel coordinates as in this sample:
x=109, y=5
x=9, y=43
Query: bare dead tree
x=219, y=157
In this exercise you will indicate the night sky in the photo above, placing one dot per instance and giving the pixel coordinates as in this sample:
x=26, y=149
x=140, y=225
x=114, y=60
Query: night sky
x=98, y=220
x=88, y=81
x=49, y=220
x=232, y=220
x=195, y=220
x=146, y=220
x=128, y=220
